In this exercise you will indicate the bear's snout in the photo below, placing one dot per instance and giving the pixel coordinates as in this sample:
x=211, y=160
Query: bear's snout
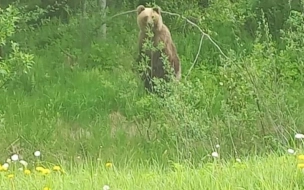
x=150, y=21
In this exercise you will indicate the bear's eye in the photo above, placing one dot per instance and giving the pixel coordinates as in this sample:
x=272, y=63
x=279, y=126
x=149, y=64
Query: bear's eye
x=153, y=17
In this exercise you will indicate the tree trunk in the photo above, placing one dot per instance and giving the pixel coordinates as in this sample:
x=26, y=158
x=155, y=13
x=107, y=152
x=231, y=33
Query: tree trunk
x=103, y=5
x=83, y=24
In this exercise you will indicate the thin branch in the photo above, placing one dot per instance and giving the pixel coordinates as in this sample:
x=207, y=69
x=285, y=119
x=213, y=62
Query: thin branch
x=203, y=33
x=196, y=57
x=119, y=14
x=110, y=18
x=66, y=53
x=201, y=40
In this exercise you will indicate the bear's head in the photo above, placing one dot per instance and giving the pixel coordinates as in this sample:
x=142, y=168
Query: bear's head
x=149, y=17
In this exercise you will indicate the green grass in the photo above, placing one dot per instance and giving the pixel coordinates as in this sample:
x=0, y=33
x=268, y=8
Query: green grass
x=98, y=112
x=268, y=173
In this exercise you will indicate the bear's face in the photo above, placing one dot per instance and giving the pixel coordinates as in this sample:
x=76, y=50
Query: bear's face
x=149, y=17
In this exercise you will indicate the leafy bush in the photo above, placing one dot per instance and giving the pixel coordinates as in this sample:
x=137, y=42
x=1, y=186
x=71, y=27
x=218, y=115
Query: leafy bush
x=17, y=63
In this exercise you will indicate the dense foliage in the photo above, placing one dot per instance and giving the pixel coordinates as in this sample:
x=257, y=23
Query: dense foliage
x=69, y=90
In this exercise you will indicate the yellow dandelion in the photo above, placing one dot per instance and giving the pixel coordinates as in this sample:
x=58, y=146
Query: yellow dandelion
x=10, y=176
x=109, y=164
x=39, y=169
x=46, y=188
x=301, y=166
x=56, y=168
x=46, y=171
x=301, y=157
x=27, y=172
x=5, y=167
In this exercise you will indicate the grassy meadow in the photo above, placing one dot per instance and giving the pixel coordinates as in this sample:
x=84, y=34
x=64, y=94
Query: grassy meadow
x=268, y=173
x=80, y=102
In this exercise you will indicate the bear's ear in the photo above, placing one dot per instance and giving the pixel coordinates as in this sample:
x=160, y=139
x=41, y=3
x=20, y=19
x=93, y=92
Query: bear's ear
x=157, y=9
x=140, y=8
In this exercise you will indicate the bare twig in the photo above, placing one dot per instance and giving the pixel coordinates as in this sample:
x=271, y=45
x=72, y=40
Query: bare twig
x=110, y=18
x=196, y=57
x=201, y=41
x=66, y=53
x=123, y=13
x=71, y=60
x=195, y=25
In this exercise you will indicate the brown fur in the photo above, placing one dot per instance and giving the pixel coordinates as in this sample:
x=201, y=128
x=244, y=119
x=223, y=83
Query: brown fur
x=152, y=16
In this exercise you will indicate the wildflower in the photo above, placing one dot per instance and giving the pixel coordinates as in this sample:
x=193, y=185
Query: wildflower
x=301, y=166
x=46, y=188
x=109, y=164
x=301, y=157
x=10, y=176
x=15, y=157
x=238, y=160
x=27, y=172
x=299, y=136
x=217, y=146
x=46, y=171
x=8, y=160
x=39, y=169
x=37, y=153
x=215, y=154
x=291, y=151
x=56, y=168
x=24, y=163
x=106, y=187
x=5, y=166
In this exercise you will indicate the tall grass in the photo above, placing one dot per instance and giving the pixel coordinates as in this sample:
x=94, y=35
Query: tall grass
x=95, y=104
x=271, y=173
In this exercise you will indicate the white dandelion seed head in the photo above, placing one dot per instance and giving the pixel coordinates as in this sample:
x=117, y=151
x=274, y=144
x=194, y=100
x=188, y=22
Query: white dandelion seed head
x=24, y=163
x=106, y=187
x=215, y=154
x=15, y=157
x=299, y=136
x=37, y=153
x=5, y=165
x=238, y=160
x=8, y=160
x=291, y=151
x=217, y=146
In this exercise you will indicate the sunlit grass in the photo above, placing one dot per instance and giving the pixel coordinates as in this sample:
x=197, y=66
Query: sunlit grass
x=272, y=172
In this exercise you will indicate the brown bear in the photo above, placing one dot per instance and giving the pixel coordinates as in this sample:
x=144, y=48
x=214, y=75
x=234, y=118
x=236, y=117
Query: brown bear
x=151, y=17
